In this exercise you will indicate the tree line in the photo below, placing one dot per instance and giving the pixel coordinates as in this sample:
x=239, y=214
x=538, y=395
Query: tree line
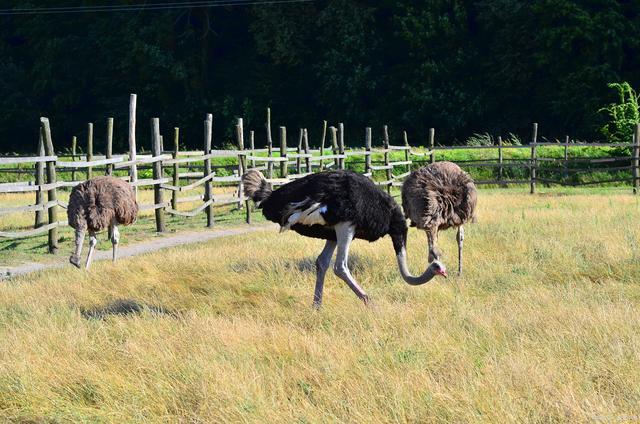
x=461, y=66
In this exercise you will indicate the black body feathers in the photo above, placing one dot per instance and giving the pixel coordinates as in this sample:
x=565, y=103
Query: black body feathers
x=343, y=196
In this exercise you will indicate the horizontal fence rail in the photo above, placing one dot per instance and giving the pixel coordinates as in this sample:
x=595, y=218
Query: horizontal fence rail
x=190, y=176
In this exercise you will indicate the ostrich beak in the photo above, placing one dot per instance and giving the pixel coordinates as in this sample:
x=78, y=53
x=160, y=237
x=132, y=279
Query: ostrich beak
x=444, y=273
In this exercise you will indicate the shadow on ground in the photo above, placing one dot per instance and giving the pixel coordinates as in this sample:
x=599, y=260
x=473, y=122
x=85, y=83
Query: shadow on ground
x=124, y=307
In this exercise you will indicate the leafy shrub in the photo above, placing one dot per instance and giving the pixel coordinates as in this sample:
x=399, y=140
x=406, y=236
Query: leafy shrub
x=624, y=115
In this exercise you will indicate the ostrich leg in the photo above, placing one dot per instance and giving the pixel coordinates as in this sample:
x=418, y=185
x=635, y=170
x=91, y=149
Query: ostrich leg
x=434, y=251
x=92, y=247
x=75, y=258
x=344, y=233
x=322, y=265
x=460, y=238
x=115, y=239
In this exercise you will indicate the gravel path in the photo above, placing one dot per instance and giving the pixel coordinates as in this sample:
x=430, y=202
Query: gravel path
x=134, y=249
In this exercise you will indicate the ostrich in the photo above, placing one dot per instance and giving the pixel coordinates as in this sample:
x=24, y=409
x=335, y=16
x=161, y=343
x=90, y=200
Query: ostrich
x=98, y=204
x=436, y=197
x=336, y=206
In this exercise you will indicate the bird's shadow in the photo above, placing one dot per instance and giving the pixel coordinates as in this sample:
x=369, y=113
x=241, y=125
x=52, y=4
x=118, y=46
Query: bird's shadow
x=124, y=307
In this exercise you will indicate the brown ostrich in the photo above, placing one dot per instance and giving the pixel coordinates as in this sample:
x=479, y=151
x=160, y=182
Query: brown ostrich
x=436, y=197
x=99, y=204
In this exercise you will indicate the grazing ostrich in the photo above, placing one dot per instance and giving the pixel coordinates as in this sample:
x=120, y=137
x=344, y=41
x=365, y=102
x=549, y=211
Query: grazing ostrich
x=98, y=204
x=336, y=206
x=436, y=197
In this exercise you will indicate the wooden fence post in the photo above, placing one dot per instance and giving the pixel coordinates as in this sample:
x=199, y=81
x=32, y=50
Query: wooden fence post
x=534, y=155
x=74, y=145
x=500, y=160
x=407, y=157
x=176, y=168
x=269, y=145
x=367, y=153
x=284, y=170
x=109, y=153
x=252, y=145
x=307, y=160
x=240, y=142
x=334, y=146
x=342, y=161
x=386, y=156
x=636, y=160
x=52, y=195
x=242, y=159
x=89, y=149
x=157, y=174
x=565, y=173
x=432, y=145
x=299, y=152
x=208, y=190
x=324, y=137
x=133, y=171
x=39, y=181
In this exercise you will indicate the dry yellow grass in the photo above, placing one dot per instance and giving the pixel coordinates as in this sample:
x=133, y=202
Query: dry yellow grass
x=543, y=327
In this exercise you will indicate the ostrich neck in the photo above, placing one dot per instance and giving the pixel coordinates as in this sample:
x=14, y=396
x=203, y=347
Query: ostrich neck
x=426, y=276
x=399, y=238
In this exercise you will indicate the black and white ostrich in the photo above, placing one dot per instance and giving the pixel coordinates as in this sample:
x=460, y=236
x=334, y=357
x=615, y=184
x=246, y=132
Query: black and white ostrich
x=440, y=196
x=337, y=206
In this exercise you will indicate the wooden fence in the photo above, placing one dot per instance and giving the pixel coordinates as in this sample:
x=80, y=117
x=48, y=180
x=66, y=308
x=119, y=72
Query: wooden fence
x=294, y=162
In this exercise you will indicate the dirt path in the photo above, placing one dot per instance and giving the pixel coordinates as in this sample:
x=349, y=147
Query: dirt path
x=136, y=249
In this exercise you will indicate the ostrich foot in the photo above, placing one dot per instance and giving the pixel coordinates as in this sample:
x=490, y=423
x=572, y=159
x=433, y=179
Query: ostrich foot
x=368, y=302
x=75, y=260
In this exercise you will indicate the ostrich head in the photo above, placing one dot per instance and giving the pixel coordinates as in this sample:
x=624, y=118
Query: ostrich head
x=438, y=268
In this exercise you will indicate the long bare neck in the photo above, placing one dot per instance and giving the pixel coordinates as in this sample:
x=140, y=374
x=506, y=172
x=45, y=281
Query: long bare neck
x=399, y=239
x=426, y=276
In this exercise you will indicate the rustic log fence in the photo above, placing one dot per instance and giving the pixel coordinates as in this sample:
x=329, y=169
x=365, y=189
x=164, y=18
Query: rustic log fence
x=294, y=162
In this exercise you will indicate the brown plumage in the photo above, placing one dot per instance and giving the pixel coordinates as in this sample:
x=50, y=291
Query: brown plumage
x=440, y=196
x=99, y=204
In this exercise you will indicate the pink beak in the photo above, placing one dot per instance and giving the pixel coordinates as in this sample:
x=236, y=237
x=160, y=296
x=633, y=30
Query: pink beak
x=444, y=273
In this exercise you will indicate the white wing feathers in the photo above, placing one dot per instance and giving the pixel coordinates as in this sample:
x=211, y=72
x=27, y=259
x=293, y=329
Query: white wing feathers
x=304, y=213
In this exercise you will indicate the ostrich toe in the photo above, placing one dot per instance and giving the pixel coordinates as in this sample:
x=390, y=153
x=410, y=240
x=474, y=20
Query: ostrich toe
x=75, y=260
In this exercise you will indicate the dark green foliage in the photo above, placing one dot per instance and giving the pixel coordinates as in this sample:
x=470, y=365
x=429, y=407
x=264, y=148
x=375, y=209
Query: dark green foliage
x=462, y=66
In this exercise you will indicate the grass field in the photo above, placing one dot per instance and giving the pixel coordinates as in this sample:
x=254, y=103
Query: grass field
x=543, y=327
